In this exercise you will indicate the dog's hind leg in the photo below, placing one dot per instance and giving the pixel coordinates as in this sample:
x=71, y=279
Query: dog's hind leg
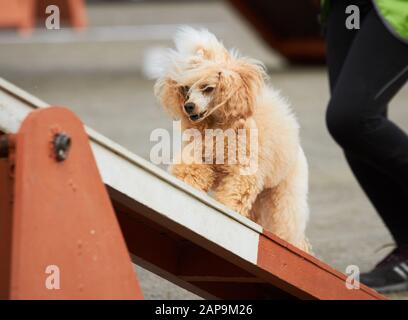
x=283, y=210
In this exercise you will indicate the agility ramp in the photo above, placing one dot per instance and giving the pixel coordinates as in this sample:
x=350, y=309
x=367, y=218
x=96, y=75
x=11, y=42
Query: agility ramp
x=55, y=211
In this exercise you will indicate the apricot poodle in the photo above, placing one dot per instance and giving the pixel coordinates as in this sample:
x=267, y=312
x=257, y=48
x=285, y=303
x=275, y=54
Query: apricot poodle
x=205, y=86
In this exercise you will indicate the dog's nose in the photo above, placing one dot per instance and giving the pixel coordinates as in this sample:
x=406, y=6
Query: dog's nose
x=189, y=107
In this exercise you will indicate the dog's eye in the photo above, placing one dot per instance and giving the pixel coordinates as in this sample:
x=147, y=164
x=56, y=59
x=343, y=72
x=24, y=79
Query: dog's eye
x=185, y=90
x=208, y=89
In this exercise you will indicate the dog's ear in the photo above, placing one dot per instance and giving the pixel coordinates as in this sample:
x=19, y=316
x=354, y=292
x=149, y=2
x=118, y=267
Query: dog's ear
x=169, y=95
x=251, y=72
x=240, y=86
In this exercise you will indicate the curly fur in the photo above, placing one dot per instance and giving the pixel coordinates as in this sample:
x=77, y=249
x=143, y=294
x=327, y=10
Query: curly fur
x=276, y=195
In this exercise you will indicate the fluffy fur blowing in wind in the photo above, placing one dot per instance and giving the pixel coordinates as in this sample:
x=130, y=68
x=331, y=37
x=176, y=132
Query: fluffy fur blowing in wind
x=206, y=86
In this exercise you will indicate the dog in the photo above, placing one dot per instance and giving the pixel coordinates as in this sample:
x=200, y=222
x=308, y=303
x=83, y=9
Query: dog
x=206, y=86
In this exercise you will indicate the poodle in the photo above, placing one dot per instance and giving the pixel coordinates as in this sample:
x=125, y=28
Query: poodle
x=206, y=86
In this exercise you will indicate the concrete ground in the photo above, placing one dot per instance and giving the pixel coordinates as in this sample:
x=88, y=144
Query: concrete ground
x=103, y=82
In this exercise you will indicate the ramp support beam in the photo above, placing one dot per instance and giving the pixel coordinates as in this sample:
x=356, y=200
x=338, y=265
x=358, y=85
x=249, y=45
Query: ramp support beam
x=59, y=235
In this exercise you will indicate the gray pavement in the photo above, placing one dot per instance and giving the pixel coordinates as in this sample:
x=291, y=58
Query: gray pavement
x=103, y=83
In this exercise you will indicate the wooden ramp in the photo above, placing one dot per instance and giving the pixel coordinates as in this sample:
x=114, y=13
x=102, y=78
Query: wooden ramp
x=169, y=228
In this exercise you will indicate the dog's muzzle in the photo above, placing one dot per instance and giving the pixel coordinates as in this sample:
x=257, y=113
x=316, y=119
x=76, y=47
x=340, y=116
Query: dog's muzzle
x=189, y=108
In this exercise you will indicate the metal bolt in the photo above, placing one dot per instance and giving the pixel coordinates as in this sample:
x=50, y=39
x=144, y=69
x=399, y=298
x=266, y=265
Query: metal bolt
x=4, y=146
x=62, y=143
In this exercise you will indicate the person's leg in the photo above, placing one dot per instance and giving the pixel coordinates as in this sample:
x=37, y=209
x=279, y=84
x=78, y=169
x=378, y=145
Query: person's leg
x=338, y=38
x=386, y=195
x=377, y=150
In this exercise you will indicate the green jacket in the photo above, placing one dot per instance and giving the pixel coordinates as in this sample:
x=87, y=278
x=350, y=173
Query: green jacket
x=394, y=14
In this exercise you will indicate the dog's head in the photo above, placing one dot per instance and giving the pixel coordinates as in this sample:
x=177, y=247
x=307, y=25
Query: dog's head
x=202, y=81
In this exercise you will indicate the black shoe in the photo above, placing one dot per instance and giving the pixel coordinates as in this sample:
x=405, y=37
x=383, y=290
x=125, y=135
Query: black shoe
x=391, y=274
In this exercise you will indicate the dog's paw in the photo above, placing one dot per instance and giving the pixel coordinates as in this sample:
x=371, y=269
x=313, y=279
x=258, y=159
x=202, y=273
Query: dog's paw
x=197, y=176
x=235, y=204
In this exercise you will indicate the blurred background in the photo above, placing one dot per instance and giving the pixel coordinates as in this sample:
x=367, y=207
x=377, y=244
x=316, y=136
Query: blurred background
x=97, y=64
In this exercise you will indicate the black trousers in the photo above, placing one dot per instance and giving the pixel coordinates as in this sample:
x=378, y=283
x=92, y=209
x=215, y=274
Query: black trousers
x=367, y=67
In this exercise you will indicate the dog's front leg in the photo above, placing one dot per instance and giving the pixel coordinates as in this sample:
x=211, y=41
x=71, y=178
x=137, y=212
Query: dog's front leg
x=199, y=176
x=238, y=192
